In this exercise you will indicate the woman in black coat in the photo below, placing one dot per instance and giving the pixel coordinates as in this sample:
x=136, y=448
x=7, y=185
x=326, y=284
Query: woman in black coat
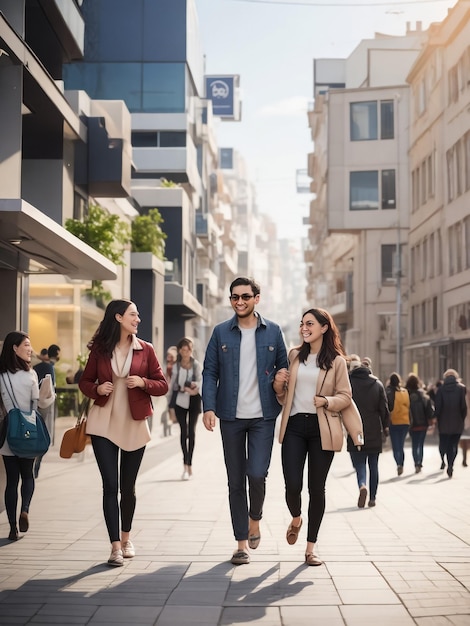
x=421, y=417
x=369, y=395
x=450, y=411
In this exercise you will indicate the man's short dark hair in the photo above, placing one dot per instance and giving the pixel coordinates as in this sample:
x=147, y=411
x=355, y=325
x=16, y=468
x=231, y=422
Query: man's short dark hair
x=243, y=280
x=53, y=351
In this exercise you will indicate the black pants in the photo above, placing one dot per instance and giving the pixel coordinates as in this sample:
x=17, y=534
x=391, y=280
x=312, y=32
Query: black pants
x=187, y=419
x=107, y=457
x=302, y=439
x=16, y=468
x=448, y=446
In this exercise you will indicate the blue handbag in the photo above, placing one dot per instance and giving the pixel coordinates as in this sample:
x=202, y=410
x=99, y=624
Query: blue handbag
x=26, y=432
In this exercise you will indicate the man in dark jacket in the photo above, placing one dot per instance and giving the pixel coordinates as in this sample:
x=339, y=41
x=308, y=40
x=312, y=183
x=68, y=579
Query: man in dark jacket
x=450, y=411
x=369, y=395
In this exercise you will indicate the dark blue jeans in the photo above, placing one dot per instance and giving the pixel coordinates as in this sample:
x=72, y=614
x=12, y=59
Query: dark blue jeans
x=360, y=459
x=302, y=440
x=15, y=469
x=398, y=434
x=247, y=451
x=417, y=446
x=117, y=476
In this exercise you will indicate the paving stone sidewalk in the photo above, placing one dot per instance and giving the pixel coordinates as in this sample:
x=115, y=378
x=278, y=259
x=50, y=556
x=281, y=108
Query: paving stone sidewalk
x=406, y=561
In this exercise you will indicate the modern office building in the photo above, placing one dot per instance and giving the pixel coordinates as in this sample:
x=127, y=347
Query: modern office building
x=53, y=156
x=159, y=75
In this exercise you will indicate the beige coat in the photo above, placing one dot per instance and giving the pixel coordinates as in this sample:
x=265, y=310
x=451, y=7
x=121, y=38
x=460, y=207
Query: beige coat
x=334, y=385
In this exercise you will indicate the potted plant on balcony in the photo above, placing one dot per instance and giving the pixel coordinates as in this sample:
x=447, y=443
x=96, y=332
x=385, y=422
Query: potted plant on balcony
x=147, y=234
x=107, y=234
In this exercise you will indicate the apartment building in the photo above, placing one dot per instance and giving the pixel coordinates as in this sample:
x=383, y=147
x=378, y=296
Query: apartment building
x=439, y=235
x=57, y=151
x=360, y=126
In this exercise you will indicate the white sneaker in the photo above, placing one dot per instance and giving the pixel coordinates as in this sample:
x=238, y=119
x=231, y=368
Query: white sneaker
x=185, y=475
x=116, y=559
x=128, y=550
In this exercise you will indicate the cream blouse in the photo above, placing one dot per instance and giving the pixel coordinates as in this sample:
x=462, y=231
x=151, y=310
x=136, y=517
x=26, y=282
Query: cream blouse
x=114, y=420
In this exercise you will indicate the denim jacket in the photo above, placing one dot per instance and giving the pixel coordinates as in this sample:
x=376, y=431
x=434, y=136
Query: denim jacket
x=222, y=365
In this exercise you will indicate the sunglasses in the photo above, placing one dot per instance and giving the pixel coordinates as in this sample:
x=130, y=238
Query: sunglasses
x=244, y=296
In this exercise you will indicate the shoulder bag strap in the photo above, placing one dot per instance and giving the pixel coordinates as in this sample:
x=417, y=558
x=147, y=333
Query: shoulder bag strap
x=11, y=393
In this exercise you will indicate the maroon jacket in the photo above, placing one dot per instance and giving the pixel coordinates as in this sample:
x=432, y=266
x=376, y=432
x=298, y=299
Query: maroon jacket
x=144, y=363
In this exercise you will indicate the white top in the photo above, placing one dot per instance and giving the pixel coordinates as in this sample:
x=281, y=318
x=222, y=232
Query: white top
x=248, y=402
x=25, y=389
x=305, y=387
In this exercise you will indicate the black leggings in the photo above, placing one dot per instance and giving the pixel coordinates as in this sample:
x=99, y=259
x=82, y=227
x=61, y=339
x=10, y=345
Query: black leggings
x=302, y=439
x=107, y=454
x=187, y=419
x=16, y=468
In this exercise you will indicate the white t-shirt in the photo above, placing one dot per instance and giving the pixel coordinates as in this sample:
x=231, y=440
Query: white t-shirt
x=248, y=402
x=306, y=386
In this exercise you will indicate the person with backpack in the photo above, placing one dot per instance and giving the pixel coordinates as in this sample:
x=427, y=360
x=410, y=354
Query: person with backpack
x=421, y=417
x=399, y=406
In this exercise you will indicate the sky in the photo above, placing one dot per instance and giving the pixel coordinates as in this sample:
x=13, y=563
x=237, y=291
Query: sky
x=271, y=44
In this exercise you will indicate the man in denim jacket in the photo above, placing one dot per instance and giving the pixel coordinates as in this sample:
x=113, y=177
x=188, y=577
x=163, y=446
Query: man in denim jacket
x=242, y=357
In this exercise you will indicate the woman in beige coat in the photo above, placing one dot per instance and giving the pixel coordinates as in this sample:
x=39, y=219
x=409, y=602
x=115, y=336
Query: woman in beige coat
x=317, y=399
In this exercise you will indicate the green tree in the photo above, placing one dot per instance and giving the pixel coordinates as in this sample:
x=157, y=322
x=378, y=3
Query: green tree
x=147, y=235
x=107, y=234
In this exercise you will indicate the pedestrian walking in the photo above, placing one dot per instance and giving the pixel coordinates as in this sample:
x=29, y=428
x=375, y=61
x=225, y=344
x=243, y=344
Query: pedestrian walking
x=19, y=387
x=121, y=374
x=451, y=411
x=315, y=392
x=242, y=357
x=421, y=418
x=399, y=406
x=44, y=368
x=186, y=381
x=368, y=393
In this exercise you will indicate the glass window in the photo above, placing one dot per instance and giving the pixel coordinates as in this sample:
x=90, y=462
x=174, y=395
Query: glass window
x=363, y=121
x=144, y=139
x=387, y=122
x=106, y=81
x=226, y=158
x=363, y=190
x=172, y=139
x=388, y=189
x=389, y=262
x=434, y=313
x=163, y=88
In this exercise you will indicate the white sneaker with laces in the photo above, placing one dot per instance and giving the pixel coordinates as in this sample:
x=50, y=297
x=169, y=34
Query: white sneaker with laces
x=185, y=475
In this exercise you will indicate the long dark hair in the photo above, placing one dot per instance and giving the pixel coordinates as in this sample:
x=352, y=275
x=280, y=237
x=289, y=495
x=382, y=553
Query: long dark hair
x=9, y=360
x=331, y=346
x=108, y=332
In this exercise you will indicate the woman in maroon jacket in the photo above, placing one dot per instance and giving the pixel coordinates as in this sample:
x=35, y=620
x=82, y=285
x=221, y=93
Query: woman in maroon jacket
x=121, y=374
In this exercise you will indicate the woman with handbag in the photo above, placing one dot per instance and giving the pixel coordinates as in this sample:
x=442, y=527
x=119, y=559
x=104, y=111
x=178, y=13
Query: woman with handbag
x=185, y=396
x=121, y=374
x=317, y=399
x=19, y=389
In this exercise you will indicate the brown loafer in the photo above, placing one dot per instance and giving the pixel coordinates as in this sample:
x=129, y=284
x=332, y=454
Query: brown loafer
x=292, y=533
x=311, y=559
x=253, y=541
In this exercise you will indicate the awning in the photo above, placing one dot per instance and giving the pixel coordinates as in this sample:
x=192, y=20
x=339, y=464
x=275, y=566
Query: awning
x=33, y=243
